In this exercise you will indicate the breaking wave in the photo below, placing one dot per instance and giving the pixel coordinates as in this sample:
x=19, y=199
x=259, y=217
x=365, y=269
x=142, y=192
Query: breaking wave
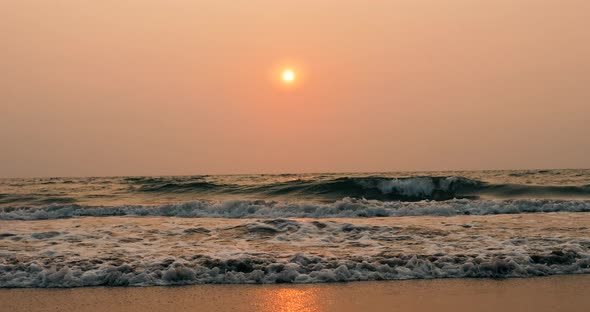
x=318, y=188
x=415, y=188
x=406, y=189
x=299, y=269
x=347, y=207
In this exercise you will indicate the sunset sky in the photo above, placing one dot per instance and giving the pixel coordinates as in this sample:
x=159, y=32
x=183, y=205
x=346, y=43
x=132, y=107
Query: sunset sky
x=140, y=87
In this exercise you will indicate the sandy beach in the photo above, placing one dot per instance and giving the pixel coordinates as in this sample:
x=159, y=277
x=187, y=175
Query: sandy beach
x=556, y=293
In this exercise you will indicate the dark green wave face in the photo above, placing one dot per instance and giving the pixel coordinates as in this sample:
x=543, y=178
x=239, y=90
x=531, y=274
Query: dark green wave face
x=319, y=188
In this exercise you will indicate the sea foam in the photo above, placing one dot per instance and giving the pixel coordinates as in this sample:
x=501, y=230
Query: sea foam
x=345, y=208
x=124, y=251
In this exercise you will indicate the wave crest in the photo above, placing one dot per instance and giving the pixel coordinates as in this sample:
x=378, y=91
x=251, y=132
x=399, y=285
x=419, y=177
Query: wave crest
x=381, y=188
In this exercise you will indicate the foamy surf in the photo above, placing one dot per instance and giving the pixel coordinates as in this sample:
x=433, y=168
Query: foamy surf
x=305, y=228
x=345, y=208
x=124, y=251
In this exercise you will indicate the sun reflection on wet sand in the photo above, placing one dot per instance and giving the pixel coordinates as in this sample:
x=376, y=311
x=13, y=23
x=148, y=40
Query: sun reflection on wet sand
x=304, y=299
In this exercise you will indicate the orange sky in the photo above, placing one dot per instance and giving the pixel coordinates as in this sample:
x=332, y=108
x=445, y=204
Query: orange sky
x=138, y=87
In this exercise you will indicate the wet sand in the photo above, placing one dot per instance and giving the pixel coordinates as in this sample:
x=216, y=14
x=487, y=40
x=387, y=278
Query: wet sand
x=556, y=293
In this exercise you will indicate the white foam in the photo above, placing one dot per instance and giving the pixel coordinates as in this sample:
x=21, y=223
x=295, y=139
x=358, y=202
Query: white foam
x=286, y=271
x=345, y=208
x=416, y=187
x=124, y=251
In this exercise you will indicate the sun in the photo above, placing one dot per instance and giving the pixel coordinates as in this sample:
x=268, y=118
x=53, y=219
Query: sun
x=288, y=75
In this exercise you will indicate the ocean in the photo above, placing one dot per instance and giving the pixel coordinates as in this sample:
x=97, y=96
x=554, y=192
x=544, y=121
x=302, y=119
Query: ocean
x=293, y=228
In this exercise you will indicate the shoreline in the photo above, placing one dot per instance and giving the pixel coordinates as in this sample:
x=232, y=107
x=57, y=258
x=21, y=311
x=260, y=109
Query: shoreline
x=286, y=284
x=551, y=293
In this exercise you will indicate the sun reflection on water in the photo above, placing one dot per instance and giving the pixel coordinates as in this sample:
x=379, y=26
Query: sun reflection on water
x=289, y=300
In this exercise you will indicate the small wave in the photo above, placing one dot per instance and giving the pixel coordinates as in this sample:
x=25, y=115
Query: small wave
x=534, y=191
x=347, y=207
x=36, y=199
x=178, y=187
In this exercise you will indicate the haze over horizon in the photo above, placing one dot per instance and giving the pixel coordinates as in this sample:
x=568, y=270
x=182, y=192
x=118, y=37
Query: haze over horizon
x=116, y=88
x=278, y=173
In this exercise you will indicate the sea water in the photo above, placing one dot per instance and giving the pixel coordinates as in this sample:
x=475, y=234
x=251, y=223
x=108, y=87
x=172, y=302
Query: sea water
x=292, y=228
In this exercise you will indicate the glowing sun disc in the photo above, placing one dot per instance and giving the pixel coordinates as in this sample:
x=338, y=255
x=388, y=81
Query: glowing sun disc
x=288, y=76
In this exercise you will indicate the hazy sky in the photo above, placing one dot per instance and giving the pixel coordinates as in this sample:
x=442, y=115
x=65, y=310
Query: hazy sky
x=140, y=87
